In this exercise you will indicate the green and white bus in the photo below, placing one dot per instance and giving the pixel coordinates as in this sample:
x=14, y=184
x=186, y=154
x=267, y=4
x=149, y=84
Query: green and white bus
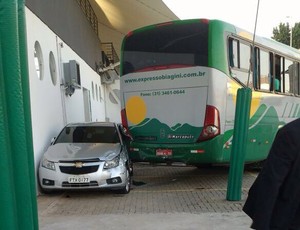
x=179, y=82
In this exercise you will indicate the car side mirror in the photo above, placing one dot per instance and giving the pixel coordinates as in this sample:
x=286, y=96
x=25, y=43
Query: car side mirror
x=124, y=133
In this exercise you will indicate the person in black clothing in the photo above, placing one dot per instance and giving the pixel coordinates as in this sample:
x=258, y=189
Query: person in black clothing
x=273, y=200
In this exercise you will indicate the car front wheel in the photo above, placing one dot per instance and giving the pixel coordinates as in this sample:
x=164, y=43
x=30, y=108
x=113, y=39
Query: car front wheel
x=127, y=187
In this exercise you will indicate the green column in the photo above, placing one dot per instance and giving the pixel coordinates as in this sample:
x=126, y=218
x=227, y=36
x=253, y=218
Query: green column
x=239, y=144
x=16, y=153
x=8, y=212
x=26, y=106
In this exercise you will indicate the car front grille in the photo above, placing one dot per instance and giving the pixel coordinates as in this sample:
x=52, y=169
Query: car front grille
x=77, y=171
x=79, y=185
x=81, y=160
x=78, y=167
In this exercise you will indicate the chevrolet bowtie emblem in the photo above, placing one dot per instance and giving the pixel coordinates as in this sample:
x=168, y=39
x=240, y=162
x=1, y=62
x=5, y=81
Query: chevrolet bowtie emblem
x=78, y=164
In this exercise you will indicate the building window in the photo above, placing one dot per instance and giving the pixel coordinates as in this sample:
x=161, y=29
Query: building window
x=52, y=67
x=93, y=91
x=100, y=96
x=38, y=60
x=96, y=92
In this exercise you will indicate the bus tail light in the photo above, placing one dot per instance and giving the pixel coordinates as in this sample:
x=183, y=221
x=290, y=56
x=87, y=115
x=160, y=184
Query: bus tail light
x=125, y=123
x=211, y=126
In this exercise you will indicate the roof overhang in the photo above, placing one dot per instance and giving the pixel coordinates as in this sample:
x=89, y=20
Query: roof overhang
x=117, y=17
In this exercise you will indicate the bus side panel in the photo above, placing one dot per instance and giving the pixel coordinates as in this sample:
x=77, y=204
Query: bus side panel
x=268, y=113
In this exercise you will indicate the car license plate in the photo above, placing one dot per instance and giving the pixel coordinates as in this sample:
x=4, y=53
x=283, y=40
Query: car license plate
x=78, y=179
x=163, y=152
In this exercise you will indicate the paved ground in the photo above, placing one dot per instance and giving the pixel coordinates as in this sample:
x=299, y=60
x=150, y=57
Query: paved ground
x=162, y=197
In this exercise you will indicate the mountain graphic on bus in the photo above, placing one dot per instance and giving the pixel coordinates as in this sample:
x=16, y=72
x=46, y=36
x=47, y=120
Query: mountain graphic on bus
x=263, y=125
x=154, y=130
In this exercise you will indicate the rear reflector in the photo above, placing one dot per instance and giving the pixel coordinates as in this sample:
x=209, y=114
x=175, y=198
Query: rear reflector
x=197, y=151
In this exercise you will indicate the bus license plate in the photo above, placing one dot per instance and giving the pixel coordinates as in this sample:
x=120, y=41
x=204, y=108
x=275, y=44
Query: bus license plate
x=163, y=152
x=78, y=179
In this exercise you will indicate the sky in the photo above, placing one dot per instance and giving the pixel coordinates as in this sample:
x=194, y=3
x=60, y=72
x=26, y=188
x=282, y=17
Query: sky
x=241, y=13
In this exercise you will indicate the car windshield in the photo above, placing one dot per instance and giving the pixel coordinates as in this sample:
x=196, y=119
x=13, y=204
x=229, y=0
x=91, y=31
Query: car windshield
x=88, y=134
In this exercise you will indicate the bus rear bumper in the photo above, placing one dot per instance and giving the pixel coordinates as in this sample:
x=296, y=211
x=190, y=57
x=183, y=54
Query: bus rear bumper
x=197, y=153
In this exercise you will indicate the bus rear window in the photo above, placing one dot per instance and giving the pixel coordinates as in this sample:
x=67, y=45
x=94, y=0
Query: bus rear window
x=169, y=45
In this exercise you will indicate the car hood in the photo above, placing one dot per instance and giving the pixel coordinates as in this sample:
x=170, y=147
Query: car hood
x=72, y=151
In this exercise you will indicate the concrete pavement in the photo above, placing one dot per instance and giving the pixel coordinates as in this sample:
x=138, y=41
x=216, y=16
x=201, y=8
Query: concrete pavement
x=166, y=221
x=162, y=197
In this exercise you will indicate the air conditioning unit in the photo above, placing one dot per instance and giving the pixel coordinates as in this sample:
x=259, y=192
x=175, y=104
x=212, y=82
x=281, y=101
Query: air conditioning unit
x=72, y=74
x=109, y=73
x=107, y=78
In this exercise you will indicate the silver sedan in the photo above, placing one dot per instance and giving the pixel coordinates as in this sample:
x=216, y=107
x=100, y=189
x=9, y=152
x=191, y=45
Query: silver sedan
x=86, y=156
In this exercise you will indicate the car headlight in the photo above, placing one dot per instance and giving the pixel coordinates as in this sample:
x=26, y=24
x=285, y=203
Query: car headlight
x=112, y=163
x=48, y=164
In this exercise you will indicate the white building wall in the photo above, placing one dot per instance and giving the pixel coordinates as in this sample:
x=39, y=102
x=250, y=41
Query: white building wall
x=51, y=108
x=92, y=81
x=45, y=99
x=112, y=99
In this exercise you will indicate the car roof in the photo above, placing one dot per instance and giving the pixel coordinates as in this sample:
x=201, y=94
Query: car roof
x=92, y=124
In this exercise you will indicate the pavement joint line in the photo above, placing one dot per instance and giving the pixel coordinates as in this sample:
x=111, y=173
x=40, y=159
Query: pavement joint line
x=205, y=176
x=185, y=190
x=53, y=203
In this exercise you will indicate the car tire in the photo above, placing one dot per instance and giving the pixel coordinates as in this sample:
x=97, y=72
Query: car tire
x=127, y=187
